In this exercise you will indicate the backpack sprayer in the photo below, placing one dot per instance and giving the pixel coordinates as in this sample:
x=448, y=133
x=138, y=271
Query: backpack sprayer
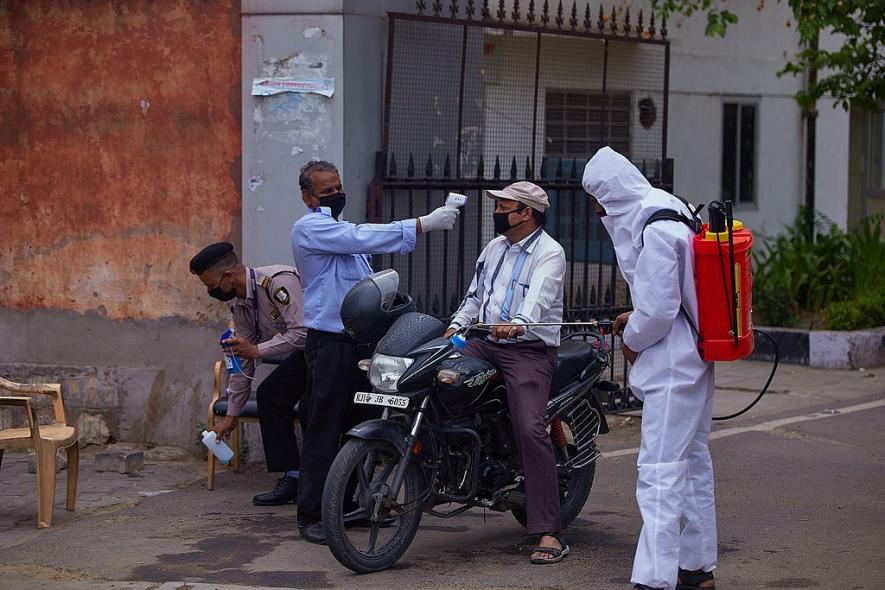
x=724, y=282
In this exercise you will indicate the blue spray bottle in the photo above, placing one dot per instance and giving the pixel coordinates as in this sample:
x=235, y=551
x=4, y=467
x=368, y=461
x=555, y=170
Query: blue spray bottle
x=231, y=361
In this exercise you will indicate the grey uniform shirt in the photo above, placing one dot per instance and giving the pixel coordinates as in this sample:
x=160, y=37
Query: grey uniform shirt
x=278, y=300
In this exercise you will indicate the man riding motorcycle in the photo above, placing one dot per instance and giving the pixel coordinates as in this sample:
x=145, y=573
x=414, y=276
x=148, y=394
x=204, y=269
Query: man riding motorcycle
x=518, y=280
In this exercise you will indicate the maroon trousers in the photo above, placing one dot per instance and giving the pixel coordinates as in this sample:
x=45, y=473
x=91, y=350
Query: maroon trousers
x=527, y=369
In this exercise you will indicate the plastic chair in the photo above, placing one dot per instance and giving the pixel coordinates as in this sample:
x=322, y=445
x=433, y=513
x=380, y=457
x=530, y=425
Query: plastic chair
x=46, y=440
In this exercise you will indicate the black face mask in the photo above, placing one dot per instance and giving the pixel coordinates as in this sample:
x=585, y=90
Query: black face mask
x=335, y=202
x=502, y=221
x=221, y=294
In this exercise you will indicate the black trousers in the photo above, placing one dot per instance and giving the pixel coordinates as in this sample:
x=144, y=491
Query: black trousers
x=276, y=396
x=332, y=379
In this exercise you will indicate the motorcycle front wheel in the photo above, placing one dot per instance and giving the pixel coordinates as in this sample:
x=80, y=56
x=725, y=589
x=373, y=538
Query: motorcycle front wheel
x=363, y=534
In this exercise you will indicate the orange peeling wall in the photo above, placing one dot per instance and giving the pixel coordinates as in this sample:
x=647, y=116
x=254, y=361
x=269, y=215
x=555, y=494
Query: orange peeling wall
x=119, y=152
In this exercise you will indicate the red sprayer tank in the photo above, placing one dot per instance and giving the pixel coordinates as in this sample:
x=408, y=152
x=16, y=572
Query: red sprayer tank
x=717, y=302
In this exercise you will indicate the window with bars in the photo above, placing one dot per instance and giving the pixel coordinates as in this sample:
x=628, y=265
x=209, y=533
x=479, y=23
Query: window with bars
x=577, y=124
x=739, y=152
x=580, y=122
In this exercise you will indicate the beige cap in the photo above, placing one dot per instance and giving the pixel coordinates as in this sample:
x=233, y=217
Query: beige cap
x=527, y=193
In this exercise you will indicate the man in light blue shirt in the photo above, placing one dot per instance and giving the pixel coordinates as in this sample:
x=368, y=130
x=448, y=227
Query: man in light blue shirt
x=332, y=256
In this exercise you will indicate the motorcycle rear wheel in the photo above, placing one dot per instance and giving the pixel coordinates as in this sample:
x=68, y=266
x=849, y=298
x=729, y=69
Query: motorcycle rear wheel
x=572, y=501
x=355, y=549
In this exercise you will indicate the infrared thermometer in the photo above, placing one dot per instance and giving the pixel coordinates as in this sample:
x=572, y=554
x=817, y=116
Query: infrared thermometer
x=456, y=200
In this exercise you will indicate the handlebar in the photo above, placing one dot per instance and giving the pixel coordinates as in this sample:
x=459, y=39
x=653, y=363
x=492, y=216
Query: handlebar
x=461, y=335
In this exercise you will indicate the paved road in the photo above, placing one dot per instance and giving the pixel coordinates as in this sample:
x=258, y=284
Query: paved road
x=799, y=493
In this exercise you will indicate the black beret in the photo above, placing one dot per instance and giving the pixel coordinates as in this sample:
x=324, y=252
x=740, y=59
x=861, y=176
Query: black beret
x=209, y=256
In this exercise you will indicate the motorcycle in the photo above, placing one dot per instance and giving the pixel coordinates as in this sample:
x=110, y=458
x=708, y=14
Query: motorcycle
x=445, y=437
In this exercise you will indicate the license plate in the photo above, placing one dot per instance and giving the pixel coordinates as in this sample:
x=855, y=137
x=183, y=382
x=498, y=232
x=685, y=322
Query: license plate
x=381, y=399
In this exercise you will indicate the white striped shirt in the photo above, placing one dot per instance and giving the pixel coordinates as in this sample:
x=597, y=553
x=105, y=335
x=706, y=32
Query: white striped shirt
x=520, y=283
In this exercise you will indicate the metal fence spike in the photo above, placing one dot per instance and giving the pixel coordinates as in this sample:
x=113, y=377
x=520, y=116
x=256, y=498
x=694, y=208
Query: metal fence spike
x=613, y=24
x=579, y=297
x=435, y=309
x=470, y=9
x=486, y=15
x=428, y=169
x=559, y=19
x=502, y=14
x=437, y=7
x=627, y=27
x=639, y=29
x=391, y=170
x=516, y=15
x=664, y=27
x=608, y=295
x=651, y=24
x=480, y=168
x=559, y=168
x=528, y=169
x=600, y=23
x=410, y=169
x=497, y=172
x=574, y=168
x=545, y=14
x=588, y=21
x=447, y=168
x=453, y=8
x=531, y=13
x=573, y=20
x=513, y=169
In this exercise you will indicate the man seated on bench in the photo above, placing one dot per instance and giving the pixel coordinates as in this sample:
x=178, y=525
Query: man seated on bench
x=267, y=312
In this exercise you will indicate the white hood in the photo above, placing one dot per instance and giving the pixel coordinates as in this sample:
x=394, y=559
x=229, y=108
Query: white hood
x=628, y=199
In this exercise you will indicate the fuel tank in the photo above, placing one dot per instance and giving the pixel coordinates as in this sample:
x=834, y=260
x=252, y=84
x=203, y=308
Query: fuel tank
x=478, y=384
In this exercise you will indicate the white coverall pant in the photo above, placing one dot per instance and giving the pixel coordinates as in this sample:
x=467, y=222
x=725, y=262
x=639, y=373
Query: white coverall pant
x=675, y=485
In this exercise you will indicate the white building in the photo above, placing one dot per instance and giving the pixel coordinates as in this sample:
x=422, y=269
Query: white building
x=734, y=127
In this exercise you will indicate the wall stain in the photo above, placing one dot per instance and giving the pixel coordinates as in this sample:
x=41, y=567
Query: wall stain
x=121, y=131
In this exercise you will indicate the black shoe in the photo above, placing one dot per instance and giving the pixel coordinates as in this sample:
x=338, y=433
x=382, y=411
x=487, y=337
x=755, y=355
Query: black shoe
x=286, y=491
x=313, y=532
x=695, y=580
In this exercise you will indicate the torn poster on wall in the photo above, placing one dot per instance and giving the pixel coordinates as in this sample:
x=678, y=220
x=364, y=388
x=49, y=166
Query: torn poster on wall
x=271, y=86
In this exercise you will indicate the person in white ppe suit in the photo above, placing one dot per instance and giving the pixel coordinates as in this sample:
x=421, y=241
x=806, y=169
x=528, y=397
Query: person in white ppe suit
x=677, y=545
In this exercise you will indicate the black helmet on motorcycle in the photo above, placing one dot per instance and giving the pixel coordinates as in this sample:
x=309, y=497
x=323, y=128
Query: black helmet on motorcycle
x=372, y=305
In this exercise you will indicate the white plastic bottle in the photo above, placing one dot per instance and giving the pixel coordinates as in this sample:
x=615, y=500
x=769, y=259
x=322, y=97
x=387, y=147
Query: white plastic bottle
x=220, y=449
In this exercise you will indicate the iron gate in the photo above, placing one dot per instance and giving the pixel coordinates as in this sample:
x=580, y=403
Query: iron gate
x=475, y=102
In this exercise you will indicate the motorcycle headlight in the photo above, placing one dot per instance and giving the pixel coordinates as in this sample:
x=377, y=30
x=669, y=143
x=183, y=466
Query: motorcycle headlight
x=385, y=371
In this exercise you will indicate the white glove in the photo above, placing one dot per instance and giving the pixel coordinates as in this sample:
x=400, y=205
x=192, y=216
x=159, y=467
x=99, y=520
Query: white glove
x=440, y=218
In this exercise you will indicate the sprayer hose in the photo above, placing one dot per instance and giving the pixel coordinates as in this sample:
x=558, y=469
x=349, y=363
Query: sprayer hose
x=767, y=383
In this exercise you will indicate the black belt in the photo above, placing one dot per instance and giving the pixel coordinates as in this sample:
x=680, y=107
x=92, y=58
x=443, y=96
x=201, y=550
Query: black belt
x=320, y=336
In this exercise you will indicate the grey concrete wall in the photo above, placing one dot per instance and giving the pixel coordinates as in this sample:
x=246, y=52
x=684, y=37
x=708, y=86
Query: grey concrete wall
x=342, y=40
x=150, y=379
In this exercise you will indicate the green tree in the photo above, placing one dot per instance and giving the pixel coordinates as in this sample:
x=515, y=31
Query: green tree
x=853, y=73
